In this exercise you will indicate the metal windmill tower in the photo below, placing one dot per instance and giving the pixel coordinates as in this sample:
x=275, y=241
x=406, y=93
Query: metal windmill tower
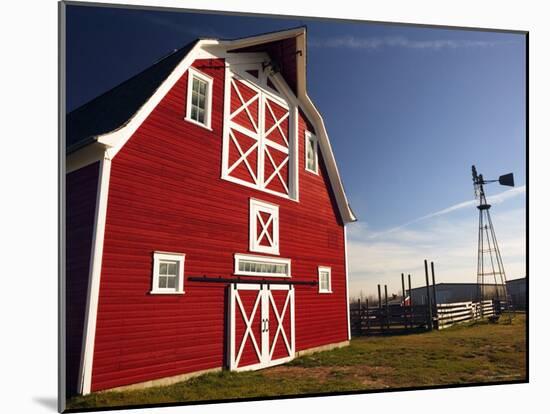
x=490, y=268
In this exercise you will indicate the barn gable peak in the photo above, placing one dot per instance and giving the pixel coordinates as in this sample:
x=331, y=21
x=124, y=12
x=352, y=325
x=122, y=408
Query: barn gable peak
x=129, y=104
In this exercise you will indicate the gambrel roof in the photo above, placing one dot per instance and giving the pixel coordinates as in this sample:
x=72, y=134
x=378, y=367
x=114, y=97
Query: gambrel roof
x=112, y=109
x=112, y=118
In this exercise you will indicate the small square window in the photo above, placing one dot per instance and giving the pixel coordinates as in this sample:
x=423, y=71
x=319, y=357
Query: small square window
x=325, y=285
x=168, y=273
x=199, y=98
x=312, y=158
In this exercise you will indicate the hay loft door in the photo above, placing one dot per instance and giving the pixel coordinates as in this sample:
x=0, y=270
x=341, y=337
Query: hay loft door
x=261, y=326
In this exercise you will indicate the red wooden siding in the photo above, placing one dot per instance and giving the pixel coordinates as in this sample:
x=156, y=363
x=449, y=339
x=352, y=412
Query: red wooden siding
x=166, y=194
x=81, y=186
x=283, y=51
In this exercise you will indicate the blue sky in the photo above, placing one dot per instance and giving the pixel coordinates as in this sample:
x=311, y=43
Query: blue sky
x=408, y=109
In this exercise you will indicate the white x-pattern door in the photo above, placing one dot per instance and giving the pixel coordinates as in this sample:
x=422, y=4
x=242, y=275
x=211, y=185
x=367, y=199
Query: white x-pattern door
x=264, y=227
x=243, y=129
x=261, y=326
x=276, y=146
x=257, y=137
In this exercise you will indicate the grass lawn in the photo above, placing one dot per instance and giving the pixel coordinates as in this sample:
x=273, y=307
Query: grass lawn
x=480, y=352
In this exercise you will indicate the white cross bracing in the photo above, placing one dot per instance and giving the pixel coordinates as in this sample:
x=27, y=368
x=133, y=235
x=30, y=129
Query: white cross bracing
x=248, y=322
x=280, y=329
x=265, y=228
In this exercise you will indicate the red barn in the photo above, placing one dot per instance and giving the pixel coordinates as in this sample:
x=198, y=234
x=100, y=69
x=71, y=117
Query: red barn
x=205, y=219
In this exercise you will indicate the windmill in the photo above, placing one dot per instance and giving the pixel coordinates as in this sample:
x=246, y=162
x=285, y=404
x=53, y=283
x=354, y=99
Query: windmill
x=489, y=261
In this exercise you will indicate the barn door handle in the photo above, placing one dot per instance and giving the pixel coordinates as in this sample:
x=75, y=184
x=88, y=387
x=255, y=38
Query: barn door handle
x=265, y=325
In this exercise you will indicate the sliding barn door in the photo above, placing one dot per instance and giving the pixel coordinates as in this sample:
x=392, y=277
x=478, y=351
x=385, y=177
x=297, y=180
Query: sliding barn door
x=261, y=326
x=247, y=326
x=280, y=314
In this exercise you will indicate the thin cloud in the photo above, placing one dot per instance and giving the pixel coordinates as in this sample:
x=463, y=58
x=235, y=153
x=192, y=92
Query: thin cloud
x=373, y=43
x=494, y=199
x=450, y=243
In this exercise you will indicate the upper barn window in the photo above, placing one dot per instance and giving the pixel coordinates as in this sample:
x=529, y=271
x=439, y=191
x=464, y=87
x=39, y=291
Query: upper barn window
x=311, y=153
x=259, y=135
x=199, y=98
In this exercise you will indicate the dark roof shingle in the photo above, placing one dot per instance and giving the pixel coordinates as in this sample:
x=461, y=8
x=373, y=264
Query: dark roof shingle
x=116, y=107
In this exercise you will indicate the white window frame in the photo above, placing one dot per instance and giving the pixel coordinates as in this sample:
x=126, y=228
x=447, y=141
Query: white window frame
x=310, y=136
x=257, y=206
x=264, y=259
x=173, y=257
x=285, y=99
x=194, y=73
x=329, y=271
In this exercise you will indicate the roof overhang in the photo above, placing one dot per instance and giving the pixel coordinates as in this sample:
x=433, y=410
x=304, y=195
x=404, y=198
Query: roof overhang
x=114, y=140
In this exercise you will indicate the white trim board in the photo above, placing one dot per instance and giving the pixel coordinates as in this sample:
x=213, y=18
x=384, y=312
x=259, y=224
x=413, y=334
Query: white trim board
x=347, y=278
x=115, y=140
x=96, y=258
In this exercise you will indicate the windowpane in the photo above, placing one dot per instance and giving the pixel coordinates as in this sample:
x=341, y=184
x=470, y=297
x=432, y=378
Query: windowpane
x=198, y=100
x=172, y=269
x=163, y=280
x=324, y=281
x=249, y=266
x=311, y=159
x=202, y=101
x=163, y=269
x=172, y=282
x=202, y=87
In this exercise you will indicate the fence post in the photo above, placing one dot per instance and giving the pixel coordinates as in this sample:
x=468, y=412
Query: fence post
x=429, y=304
x=403, y=302
x=367, y=312
x=380, y=308
x=387, y=309
x=435, y=297
x=411, y=310
x=359, y=319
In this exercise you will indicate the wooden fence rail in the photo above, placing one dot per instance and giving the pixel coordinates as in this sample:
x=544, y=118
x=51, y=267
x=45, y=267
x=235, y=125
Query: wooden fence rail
x=449, y=314
x=391, y=319
x=366, y=320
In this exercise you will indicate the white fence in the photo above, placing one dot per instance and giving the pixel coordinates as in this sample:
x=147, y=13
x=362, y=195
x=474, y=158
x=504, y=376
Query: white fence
x=449, y=314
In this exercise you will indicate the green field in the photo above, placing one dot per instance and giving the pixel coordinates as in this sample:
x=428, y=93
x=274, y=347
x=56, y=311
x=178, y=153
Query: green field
x=480, y=352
